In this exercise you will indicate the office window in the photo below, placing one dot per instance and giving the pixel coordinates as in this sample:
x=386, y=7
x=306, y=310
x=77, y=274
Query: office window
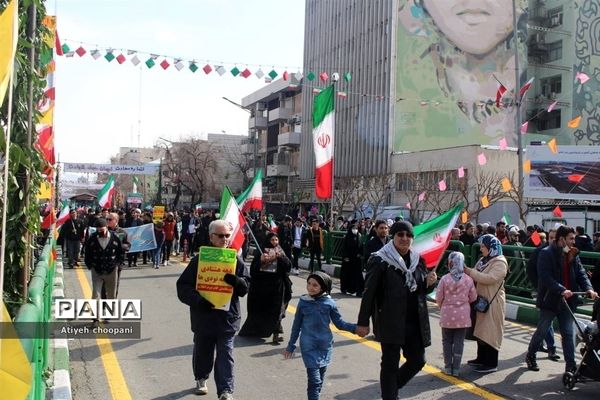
x=554, y=51
x=551, y=85
x=555, y=17
x=550, y=121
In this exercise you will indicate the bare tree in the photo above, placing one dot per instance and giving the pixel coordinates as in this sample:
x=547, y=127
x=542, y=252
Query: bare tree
x=242, y=162
x=516, y=194
x=487, y=183
x=378, y=190
x=345, y=190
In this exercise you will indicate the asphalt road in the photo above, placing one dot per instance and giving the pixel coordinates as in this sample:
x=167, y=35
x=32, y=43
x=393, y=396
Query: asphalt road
x=158, y=366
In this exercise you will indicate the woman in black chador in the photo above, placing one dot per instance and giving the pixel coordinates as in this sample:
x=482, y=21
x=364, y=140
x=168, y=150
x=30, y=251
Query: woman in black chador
x=351, y=275
x=270, y=291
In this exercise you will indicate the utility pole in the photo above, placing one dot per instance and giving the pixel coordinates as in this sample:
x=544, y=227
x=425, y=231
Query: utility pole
x=517, y=104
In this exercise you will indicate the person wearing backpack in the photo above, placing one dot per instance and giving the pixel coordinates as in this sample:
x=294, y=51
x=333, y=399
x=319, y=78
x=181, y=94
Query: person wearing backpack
x=532, y=274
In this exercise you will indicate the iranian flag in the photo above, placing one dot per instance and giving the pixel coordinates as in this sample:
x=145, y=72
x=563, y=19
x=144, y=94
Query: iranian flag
x=230, y=212
x=251, y=198
x=432, y=237
x=64, y=214
x=106, y=194
x=323, y=125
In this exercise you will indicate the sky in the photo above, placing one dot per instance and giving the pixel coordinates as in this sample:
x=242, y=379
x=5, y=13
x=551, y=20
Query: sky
x=99, y=104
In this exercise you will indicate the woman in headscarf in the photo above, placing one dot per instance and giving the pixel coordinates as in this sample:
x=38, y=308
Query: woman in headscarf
x=270, y=291
x=351, y=276
x=489, y=274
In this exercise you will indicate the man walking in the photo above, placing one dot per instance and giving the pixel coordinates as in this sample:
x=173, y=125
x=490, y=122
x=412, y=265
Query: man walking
x=379, y=240
x=560, y=273
x=314, y=242
x=72, y=233
x=298, y=233
x=214, y=329
x=395, y=298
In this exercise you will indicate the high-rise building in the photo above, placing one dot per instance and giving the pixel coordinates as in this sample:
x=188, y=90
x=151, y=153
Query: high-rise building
x=424, y=76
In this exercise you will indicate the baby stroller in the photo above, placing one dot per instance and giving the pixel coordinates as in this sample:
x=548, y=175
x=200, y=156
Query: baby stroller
x=589, y=368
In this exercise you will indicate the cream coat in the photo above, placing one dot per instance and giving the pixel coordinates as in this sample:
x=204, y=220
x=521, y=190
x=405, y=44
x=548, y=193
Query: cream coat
x=489, y=326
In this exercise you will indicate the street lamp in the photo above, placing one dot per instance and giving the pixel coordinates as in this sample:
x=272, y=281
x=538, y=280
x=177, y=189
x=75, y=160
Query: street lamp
x=250, y=131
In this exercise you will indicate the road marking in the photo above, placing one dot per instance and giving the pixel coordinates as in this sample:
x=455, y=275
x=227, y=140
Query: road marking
x=114, y=375
x=468, y=386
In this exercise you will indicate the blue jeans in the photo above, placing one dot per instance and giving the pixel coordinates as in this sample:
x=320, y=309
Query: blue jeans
x=549, y=338
x=316, y=376
x=203, y=359
x=156, y=255
x=567, y=334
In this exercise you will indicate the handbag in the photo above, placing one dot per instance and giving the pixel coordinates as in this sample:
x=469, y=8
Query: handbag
x=481, y=304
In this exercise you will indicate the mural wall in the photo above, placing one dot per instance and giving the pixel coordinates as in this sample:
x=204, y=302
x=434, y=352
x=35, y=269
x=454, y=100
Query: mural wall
x=450, y=55
x=586, y=98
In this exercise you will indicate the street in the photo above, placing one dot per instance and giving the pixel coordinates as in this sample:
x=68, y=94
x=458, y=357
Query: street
x=158, y=366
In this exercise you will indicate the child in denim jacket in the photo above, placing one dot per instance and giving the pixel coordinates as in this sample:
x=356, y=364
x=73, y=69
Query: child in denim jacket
x=314, y=313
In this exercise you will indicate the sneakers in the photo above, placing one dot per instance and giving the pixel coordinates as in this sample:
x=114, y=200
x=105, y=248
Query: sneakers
x=475, y=363
x=164, y=264
x=531, y=362
x=155, y=266
x=486, y=369
x=295, y=271
x=226, y=396
x=552, y=354
x=201, y=387
x=448, y=371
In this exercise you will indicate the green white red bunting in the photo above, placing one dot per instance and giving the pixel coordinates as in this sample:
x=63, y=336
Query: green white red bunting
x=432, y=237
x=106, y=194
x=230, y=212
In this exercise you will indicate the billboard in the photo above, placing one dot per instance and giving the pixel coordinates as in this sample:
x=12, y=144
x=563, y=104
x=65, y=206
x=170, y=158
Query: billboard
x=449, y=55
x=571, y=174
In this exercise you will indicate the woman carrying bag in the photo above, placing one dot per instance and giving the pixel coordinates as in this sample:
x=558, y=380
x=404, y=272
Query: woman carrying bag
x=489, y=274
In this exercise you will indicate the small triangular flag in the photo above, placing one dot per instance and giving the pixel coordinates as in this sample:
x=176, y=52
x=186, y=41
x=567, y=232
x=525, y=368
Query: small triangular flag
x=527, y=166
x=298, y=75
x=150, y=63
x=553, y=146
x=506, y=185
x=503, y=144
x=347, y=76
x=499, y=94
x=80, y=51
x=442, y=185
x=259, y=74
x=193, y=67
x=273, y=74
x=235, y=71
x=422, y=196
x=135, y=60
x=461, y=172
x=286, y=76
x=109, y=56
x=165, y=64
x=311, y=76
x=96, y=54
x=464, y=217
x=220, y=70
x=535, y=238
x=481, y=159
x=408, y=206
x=485, y=202
x=179, y=65
x=207, y=69
x=574, y=123
x=246, y=73
x=524, y=127
x=580, y=76
x=557, y=212
x=552, y=106
x=323, y=76
x=121, y=59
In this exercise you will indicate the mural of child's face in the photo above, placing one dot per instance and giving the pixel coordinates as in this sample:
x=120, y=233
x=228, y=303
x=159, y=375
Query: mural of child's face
x=474, y=26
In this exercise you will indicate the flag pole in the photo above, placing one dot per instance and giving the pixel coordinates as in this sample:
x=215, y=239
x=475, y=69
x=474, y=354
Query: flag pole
x=249, y=229
x=332, y=223
x=518, y=110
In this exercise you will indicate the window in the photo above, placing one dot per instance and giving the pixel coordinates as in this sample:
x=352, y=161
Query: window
x=551, y=85
x=551, y=121
x=555, y=17
x=554, y=52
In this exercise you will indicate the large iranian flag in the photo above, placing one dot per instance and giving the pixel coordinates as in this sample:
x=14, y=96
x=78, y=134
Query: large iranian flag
x=230, y=212
x=251, y=198
x=432, y=237
x=64, y=214
x=323, y=125
x=106, y=194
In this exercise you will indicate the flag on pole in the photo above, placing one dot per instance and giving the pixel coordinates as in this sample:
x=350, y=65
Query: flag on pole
x=230, y=212
x=106, y=194
x=64, y=214
x=48, y=220
x=506, y=218
x=9, y=26
x=500, y=93
x=525, y=88
x=432, y=237
x=251, y=198
x=323, y=125
x=136, y=182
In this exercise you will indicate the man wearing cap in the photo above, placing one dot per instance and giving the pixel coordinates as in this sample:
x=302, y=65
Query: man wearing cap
x=103, y=255
x=395, y=298
x=214, y=329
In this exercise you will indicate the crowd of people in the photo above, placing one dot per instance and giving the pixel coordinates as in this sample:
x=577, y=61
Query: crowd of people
x=378, y=264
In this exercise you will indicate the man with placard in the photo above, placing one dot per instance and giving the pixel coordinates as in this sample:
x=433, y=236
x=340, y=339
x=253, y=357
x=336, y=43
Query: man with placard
x=211, y=285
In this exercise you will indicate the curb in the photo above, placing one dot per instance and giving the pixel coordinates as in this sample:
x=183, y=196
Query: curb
x=61, y=385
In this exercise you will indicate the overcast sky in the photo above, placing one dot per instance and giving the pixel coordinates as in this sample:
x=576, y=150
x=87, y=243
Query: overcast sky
x=98, y=103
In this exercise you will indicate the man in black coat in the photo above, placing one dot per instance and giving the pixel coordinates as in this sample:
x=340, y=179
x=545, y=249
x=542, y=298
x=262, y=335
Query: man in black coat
x=214, y=328
x=72, y=234
x=560, y=273
x=395, y=298
x=379, y=240
x=103, y=255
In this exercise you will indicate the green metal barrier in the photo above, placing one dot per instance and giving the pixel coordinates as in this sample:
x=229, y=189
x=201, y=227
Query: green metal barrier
x=34, y=316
